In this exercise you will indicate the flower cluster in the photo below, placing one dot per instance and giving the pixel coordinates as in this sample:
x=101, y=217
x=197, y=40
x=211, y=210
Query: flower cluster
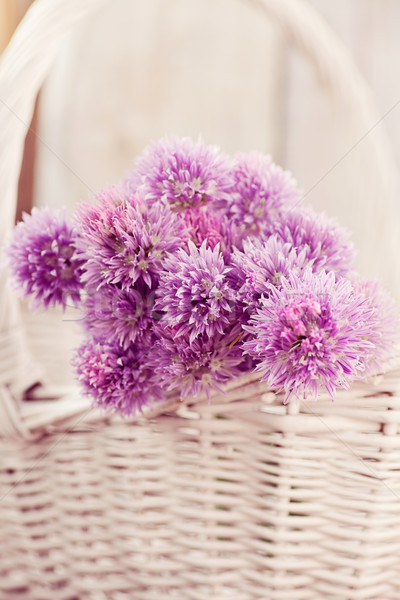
x=199, y=267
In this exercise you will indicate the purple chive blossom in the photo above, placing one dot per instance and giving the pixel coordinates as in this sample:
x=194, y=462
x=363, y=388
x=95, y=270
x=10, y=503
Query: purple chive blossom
x=325, y=242
x=124, y=241
x=198, y=268
x=118, y=380
x=262, y=264
x=198, y=368
x=181, y=173
x=194, y=294
x=203, y=225
x=385, y=324
x=311, y=334
x=262, y=190
x=120, y=316
x=43, y=258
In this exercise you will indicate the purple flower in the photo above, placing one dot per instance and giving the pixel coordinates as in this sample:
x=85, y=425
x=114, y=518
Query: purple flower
x=311, y=334
x=197, y=368
x=262, y=190
x=118, y=380
x=384, y=323
x=181, y=173
x=194, y=294
x=326, y=244
x=203, y=225
x=262, y=264
x=124, y=241
x=120, y=316
x=43, y=259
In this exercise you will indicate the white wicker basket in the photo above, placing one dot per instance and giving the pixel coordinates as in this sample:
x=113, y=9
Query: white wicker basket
x=240, y=498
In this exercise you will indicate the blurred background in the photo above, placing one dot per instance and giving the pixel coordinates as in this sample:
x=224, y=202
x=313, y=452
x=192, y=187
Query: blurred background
x=136, y=71
x=139, y=70
x=158, y=55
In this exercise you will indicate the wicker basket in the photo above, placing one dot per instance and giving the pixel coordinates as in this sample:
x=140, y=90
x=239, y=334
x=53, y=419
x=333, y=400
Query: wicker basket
x=241, y=497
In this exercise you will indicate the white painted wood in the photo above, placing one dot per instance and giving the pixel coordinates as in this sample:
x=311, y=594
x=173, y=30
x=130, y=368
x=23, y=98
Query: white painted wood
x=145, y=69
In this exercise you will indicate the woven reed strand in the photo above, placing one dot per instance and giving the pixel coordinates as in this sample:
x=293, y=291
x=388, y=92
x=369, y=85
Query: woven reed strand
x=243, y=500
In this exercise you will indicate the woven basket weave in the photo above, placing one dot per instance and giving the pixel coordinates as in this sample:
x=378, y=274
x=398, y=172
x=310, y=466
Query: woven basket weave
x=241, y=497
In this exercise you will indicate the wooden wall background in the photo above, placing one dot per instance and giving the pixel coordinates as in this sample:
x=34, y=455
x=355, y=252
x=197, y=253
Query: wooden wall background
x=139, y=70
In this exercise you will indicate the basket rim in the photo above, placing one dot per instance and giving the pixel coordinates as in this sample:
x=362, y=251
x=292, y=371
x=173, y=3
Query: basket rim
x=65, y=408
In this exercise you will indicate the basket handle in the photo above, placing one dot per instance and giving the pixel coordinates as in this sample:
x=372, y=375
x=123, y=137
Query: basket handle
x=23, y=68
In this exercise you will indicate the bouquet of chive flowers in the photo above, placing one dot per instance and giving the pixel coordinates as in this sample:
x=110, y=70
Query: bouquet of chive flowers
x=198, y=268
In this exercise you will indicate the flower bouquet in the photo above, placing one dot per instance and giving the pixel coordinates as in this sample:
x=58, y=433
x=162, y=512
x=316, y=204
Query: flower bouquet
x=198, y=268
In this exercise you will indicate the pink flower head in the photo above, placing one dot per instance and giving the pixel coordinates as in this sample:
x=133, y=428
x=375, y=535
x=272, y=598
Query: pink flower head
x=181, y=174
x=120, y=316
x=312, y=334
x=206, y=364
x=194, y=294
x=262, y=264
x=118, y=380
x=326, y=244
x=124, y=241
x=262, y=190
x=43, y=258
